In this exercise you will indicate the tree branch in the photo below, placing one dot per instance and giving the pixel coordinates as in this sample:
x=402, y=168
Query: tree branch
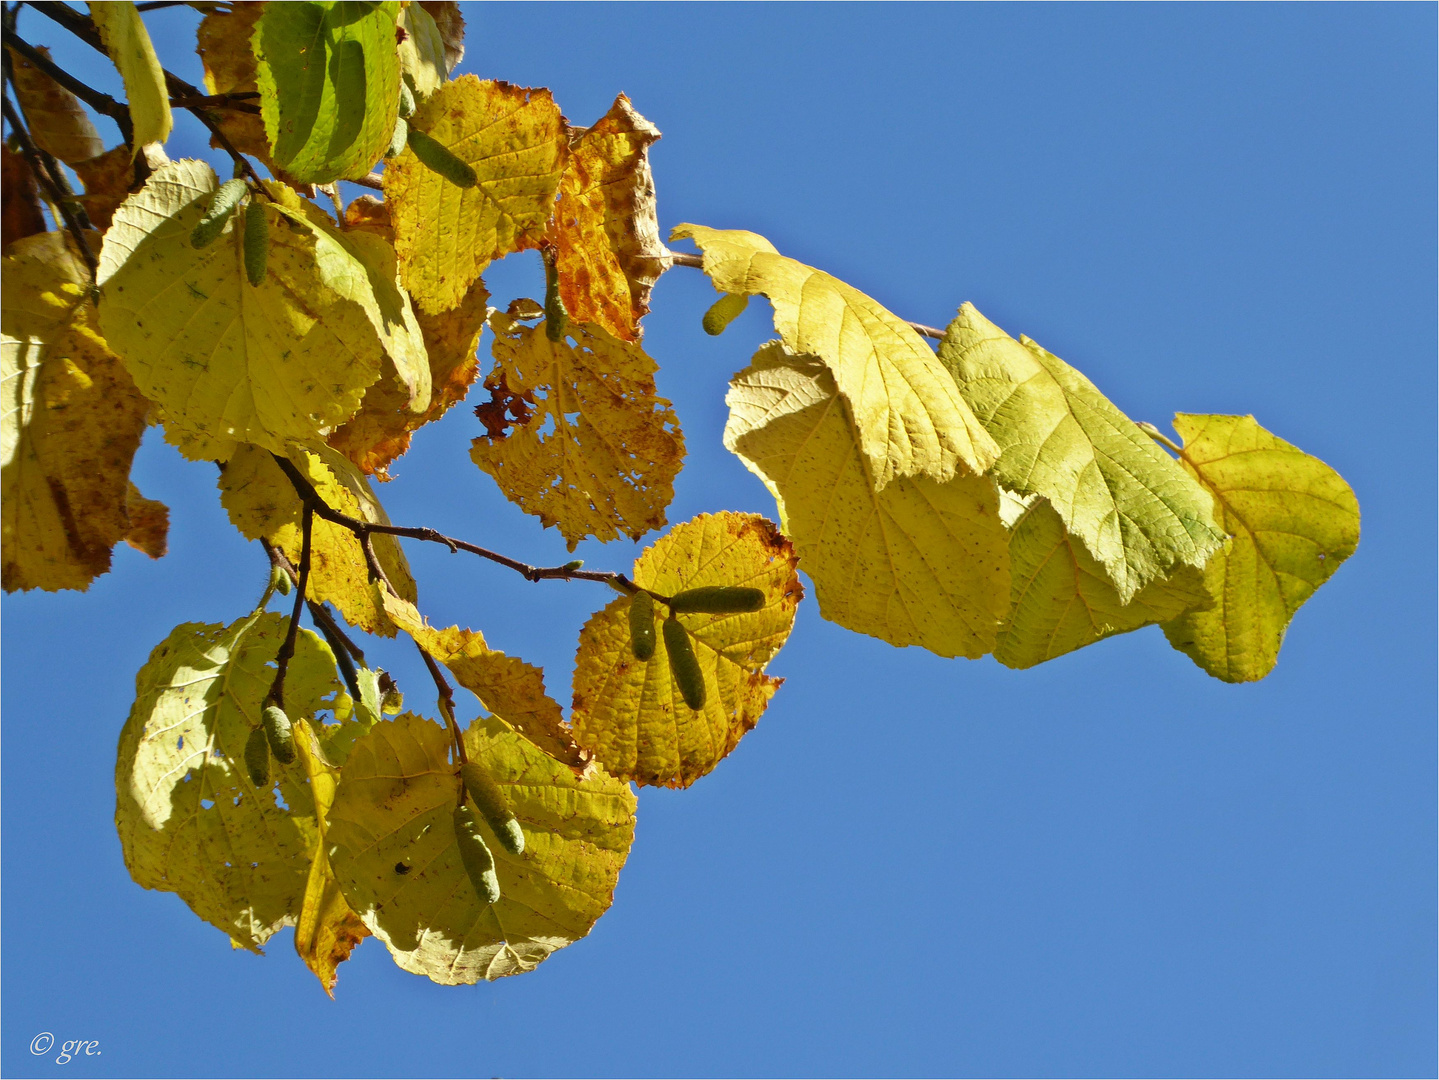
x=446, y=702
x=102, y=103
x=60, y=199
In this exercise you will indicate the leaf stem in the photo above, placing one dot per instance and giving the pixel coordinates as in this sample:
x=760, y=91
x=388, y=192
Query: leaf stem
x=287, y=649
x=1159, y=436
x=318, y=612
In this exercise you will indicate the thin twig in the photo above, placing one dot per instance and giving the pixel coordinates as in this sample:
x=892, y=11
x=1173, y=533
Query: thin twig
x=217, y=101
x=374, y=181
x=102, y=103
x=287, y=649
x=318, y=612
x=446, y=702
x=59, y=198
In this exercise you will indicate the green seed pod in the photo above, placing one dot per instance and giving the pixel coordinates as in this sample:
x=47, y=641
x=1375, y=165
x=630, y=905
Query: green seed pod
x=557, y=319
x=475, y=854
x=723, y=312
x=257, y=243
x=257, y=758
x=683, y=665
x=573, y=564
x=494, y=806
x=217, y=211
x=438, y=157
x=399, y=139
x=280, y=734
x=407, y=100
x=718, y=599
x=642, y=625
x=280, y=581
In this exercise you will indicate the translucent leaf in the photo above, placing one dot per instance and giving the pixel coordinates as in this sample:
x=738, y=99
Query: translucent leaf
x=606, y=232
x=1127, y=501
x=58, y=123
x=422, y=53
x=381, y=431
x=598, y=453
x=190, y=821
x=630, y=713
x=71, y=422
x=128, y=43
x=451, y=24
x=21, y=212
x=507, y=686
x=1293, y=520
x=909, y=417
x=394, y=853
x=329, y=80
x=109, y=178
x=1063, y=600
x=916, y=563
x=223, y=40
x=225, y=361
x=514, y=139
x=261, y=502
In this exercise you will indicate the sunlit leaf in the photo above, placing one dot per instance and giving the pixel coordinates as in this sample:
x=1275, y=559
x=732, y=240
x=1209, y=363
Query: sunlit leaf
x=58, y=123
x=917, y=563
x=598, y=453
x=1293, y=520
x=909, y=417
x=422, y=53
x=1063, y=600
x=630, y=713
x=189, y=818
x=228, y=362
x=261, y=502
x=606, y=232
x=109, y=178
x=394, y=852
x=223, y=40
x=21, y=212
x=71, y=422
x=514, y=139
x=451, y=24
x=1128, y=502
x=329, y=79
x=128, y=43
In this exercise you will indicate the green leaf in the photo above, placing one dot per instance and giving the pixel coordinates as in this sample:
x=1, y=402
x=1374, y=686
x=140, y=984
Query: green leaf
x=1063, y=600
x=631, y=713
x=908, y=416
x=128, y=43
x=918, y=562
x=189, y=819
x=1129, y=503
x=394, y=854
x=329, y=78
x=1293, y=520
x=227, y=362
x=422, y=53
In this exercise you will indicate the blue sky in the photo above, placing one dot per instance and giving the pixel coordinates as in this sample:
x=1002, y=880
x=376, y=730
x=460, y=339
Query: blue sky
x=1109, y=865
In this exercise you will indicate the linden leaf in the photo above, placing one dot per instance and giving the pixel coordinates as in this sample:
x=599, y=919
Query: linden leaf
x=189, y=818
x=451, y=25
x=381, y=431
x=422, y=53
x=1293, y=520
x=329, y=80
x=109, y=178
x=128, y=43
x=507, y=686
x=1127, y=501
x=918, y=562
x=629, y=713
x=908, y=414
x=514, y=139
x=225, y=361
x=393, y=849
x=58, y=123
x=1063, y=600
x=21, y=212
x=72, y=420
x=262, y=504
x=606, y=230
x=598, y=454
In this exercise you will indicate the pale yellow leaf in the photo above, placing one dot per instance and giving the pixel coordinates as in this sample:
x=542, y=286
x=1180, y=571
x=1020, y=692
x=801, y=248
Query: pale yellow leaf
x=128, y=43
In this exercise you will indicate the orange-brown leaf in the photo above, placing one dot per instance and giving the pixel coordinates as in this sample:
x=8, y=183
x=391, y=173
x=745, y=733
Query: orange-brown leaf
x=109, y=178
x=21, y=213
x=149, y=524
x=58, y=122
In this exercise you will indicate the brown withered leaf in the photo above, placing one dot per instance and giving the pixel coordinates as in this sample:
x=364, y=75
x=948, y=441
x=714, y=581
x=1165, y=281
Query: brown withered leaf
x=371, y=215
x=58, y=122
x=149, y=524
x=223, y=42
x=21, y=212
x=605, y=229
x=381, y=431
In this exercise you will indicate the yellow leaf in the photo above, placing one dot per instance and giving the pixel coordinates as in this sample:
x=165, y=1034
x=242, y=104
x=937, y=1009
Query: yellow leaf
x=380, y=432
x=1293, y=520
x=598, y=453
x=514, y=139
x=908, y=414
x=109, y=178
x=630, y=713
x=262, y=503
x=128, y=43
x=606, y=231
x=422, y=53
x=72, y=420
x=21, y=212
x=58, y=123
x=451, y=25
x=1121, y=496
x=916, y=563
x=1063, y=600
x=225, y=361
x=394, y=851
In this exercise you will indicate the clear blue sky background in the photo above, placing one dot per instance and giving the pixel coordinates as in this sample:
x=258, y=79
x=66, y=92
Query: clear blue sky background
x=1110, y=865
